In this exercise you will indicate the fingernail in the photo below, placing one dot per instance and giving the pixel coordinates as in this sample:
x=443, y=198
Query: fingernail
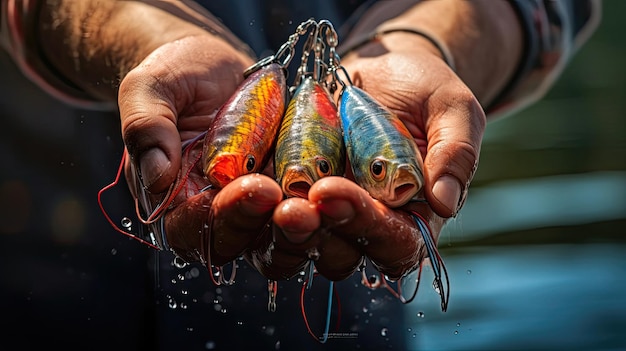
x=447, y=191
x=153, y=164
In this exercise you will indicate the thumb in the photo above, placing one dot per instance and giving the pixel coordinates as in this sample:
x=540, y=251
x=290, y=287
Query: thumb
x=148, y=119
x=454, y=140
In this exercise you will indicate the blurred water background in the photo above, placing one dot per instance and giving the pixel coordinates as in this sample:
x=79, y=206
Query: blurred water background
x=537, y=257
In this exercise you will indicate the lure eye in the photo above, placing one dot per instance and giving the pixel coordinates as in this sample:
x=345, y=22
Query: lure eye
x=378, y=169
x=250, y=163
x=323, y=168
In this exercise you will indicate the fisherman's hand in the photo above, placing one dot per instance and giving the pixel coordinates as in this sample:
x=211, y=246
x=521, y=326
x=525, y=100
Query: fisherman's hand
x=166, y=102
x=340, y=223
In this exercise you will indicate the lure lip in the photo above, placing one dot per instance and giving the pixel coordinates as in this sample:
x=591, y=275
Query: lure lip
x=297, y=180
x=405, y=182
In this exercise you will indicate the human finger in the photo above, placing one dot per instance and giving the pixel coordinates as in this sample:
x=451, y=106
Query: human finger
x=454, y=132
x=386, y=236
x=298, y=239
x=171, y=96
x=220, y=226
x=149, y=129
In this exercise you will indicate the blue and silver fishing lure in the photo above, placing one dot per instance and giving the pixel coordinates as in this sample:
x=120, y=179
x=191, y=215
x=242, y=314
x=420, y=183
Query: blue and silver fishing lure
x=384, y=157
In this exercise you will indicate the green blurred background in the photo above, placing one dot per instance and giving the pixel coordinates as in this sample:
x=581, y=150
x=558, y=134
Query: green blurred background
x=537, y=257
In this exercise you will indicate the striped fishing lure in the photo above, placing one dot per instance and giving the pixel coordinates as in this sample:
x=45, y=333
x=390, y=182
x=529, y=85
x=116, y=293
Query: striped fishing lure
x=384, y=157
x=243, y=133
x=310, y=143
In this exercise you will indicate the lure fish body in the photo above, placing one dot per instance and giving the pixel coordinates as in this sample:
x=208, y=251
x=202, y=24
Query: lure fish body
x=242, y=135
x=310, y=143
x=384, y=157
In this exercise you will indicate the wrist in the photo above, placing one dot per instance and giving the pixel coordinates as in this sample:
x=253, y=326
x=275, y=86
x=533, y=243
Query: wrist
x=403, y=39
x=483, y=38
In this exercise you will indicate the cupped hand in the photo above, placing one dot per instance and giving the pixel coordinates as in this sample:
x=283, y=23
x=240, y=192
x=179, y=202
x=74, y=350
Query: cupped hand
x=166, y=101
x=340, y=223
x=165, y=104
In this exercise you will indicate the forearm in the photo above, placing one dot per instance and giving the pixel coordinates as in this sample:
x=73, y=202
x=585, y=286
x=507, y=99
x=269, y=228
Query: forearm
x=484, y=38
x=94, y=43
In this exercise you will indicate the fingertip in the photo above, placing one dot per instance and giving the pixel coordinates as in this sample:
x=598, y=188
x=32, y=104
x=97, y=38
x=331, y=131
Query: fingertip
x=154, y=147
x=297, y=218
x=333, y=197
x=254, y=195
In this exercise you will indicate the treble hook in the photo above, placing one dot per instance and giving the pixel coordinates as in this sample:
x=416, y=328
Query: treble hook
x=436, y=261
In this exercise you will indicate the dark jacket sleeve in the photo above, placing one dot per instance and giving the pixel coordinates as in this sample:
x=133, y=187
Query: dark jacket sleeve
x=554, y=31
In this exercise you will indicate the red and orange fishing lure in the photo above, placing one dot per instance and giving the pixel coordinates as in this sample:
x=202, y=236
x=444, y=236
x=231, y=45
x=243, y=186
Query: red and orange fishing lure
x=241, y=137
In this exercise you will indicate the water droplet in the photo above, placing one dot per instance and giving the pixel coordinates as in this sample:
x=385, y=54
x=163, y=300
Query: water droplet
x=414, y=335
x=252, y=23
x=409, y=329
x=113, y=252
x=181, y=277
x=223, y=310
x=456, y=332
x=179, y=262
x=277, y=346
x=269, y=330
x=458, y=324
x=365, y=309
x=183, y=305
x=172, y=303
x=194, y=272
x=436, y=287
x=217, y=307
x=420, y=314
x=126, y=223
x=190, y=329
x=239, y=322
x=250, y=194
x=209, y=345
x=469, y=271
x=384, y=331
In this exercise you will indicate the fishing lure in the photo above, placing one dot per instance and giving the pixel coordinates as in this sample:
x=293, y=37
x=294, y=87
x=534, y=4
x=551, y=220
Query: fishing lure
x=242, y=135
x=384, y=157
x=310, y=143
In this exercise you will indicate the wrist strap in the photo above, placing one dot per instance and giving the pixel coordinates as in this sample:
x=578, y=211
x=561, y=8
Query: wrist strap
x=379, y=32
